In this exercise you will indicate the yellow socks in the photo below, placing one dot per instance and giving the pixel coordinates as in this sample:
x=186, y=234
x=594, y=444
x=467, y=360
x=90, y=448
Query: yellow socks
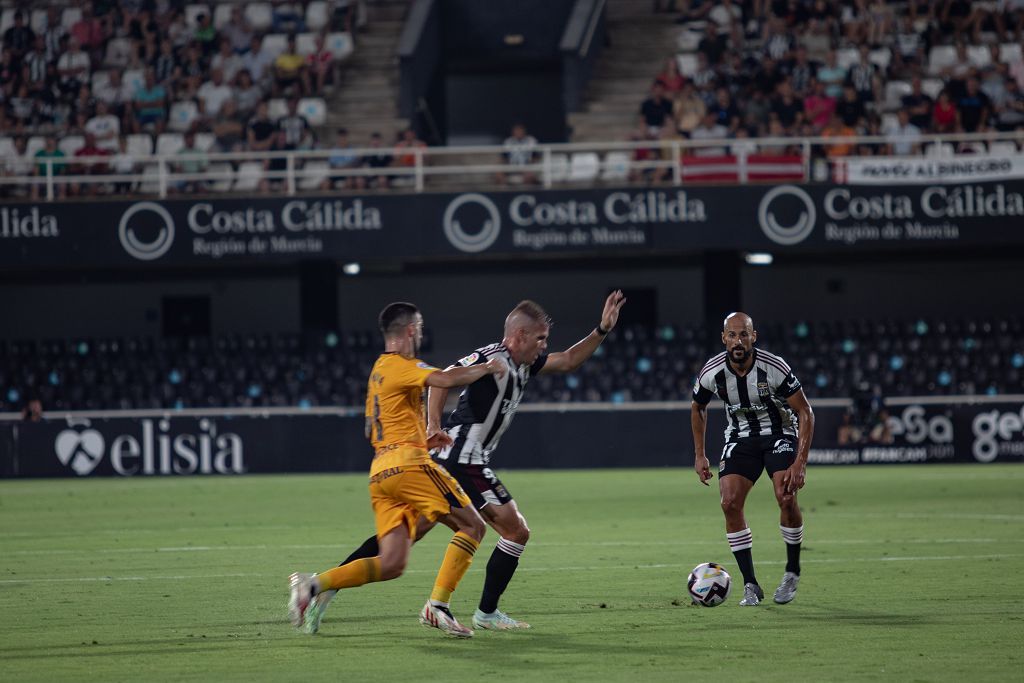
x=456, y=562
x=355, y=573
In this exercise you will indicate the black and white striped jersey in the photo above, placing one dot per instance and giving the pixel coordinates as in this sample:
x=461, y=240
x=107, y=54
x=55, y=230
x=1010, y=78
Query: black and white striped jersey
x=486, y=407
x=756, y=403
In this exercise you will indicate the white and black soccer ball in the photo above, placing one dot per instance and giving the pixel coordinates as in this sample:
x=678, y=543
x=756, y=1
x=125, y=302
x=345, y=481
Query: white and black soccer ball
x=709, y=584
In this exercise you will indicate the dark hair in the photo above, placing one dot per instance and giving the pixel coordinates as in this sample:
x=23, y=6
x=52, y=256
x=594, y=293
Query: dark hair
x=396, y=316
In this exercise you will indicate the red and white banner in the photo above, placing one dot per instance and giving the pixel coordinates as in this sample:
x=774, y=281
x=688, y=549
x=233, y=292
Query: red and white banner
x=737, y=169
x=965, y=168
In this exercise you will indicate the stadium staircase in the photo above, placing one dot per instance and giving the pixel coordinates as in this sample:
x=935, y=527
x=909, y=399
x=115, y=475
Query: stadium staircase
x=640, y=42
x=367, y=99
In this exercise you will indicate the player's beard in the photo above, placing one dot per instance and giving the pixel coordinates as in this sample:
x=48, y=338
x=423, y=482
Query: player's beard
x=744, y=354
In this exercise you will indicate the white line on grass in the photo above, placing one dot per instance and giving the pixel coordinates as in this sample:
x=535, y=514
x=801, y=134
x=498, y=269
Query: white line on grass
x=618, y=567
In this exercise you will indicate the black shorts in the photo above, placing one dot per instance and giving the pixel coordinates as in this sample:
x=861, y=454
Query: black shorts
x=752, y=455
x=480, y=484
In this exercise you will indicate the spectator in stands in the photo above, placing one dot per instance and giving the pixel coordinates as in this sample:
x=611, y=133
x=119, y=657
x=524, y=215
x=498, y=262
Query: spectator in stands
x=73, y=67
x=319, y=67
x=956, y=73
x=831, y=75
x=238, y=31
x=379, y=157
x=214, y=93
x=945, y=117
x=709, y=129
x=189, y=76
x=247, y=93
x=974, y=107
x=993, y=81
x=1010, y=17
x=405, y=156
x=150, y=105
x=277, y=162
x=713, y=45
x=289, y=70
x=671, y=80
x=205, y=34
x=822, y=27
x=343, y=158
x=22, y=106
x=727, y=17
x=49, y=151
x=959, y=17
x=837, y=129
x=258, y=61
x=704, y=75
x=89, y=167
x=758, y=113
x=1010, y=115
x=104, y=127
x=800, y=73
x=850, y=109
x=903, y=137
x=520, y=151
x=287, y=18
x=260, y=130
x=768, y=76
x=165, y=66
x=656, y=110
x=787, y=109
x=19, y=38
x=863, y=76
x=880, y=22
x=54, y=33
x=190, y=159
x=228, y=128
x=122, y=163
x=818, y=106
x=33, y=410
x=35, y=61
x=908, y=52
x=688, y=110
x=17, y=165
x=643, y=157
x=918, y=105
x=227, y=61
x=177, y=29
x=298, y=132
x=777, y=41
x=725, y=111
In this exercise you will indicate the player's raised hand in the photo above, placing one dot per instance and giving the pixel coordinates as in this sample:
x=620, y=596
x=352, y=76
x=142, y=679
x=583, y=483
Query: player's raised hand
x=703, y=469
x=496, y=367
x=610, y=314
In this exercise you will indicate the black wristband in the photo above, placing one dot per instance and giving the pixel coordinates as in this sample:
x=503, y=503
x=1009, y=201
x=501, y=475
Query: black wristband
x=600, y=330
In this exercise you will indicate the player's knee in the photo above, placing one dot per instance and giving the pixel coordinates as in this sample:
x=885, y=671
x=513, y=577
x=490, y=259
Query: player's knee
x=731, y=504
x=474, y=527
x=518, y=534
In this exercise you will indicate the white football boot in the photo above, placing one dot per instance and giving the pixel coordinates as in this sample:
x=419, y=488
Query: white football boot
x=441, y=618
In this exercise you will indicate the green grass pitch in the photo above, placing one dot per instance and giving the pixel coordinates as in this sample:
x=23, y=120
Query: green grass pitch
x=910, y=573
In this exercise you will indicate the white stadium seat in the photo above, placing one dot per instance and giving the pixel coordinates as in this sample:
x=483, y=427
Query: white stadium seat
x=221, y=15
x=34, y=144
x=895, y=91
x=317, y=15
x=205, y=141
x=250, y=173
x=71, y=144
x=616, y=166
x=37, y=22
x=584, y=166
x=940, y=57
x=260, y=15
x=7, y=148
x=932, y=87
x=313, y=173
x=847, y=57
x=979, y=55
x=134, y=79
x=150, y=179
x=169, y=143
x=1010, y=53
x=340, y=44
x=1002, y=148
x=880, y=57
x=224, y=183
x=305, y=44
x=70, y=17
x=100, y=79
x=939, y=149
x=7, y=19
x=687, y=64
x=314, y=109
x=276, y=108
x=139, y=144
x=119, y=52
x=275, y=43
x=559, y=167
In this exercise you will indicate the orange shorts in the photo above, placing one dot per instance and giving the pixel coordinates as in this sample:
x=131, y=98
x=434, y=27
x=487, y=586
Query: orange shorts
x=405, y=483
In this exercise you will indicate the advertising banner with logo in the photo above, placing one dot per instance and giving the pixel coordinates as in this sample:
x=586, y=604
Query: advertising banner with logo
x=195, y=446
x=915, y=170
x=393, y=227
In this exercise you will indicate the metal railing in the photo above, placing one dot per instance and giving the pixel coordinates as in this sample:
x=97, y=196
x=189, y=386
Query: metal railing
x=478, y=164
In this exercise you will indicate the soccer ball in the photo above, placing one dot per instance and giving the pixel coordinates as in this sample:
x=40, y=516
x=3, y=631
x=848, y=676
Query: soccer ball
x=709, y=584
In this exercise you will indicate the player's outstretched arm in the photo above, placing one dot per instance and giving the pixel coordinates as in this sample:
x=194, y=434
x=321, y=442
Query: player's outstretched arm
x=793, y=479
x=698, y=424
x=436, y=437
x=460, y=376
x=578, y=353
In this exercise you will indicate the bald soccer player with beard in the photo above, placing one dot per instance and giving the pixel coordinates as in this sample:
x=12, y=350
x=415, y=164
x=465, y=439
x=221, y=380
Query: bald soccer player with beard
x=770, y=426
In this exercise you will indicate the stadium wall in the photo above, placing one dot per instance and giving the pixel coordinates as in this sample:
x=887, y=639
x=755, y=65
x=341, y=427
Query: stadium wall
x=213, y=442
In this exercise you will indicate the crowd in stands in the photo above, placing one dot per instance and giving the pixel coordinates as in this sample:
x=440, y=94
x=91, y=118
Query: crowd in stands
x=640, y=363
x=806, y=68
x=128, y=78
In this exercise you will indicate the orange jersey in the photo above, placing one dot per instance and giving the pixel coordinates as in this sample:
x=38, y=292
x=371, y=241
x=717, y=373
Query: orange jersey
x=394, y=402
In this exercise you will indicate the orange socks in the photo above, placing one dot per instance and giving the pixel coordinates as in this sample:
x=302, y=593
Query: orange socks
x=355, y=573
x=456, y=562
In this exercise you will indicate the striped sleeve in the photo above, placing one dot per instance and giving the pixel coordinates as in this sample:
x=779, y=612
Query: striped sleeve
x=704, y=387
x=780, y=376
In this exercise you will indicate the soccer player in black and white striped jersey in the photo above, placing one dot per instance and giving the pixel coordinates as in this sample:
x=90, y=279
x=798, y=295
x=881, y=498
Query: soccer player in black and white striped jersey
x=484, y=411
x=770, y=427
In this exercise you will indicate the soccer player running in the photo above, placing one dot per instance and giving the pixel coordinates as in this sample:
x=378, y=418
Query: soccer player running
x=485, y=410
x=405, y=484
x=770, y=427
